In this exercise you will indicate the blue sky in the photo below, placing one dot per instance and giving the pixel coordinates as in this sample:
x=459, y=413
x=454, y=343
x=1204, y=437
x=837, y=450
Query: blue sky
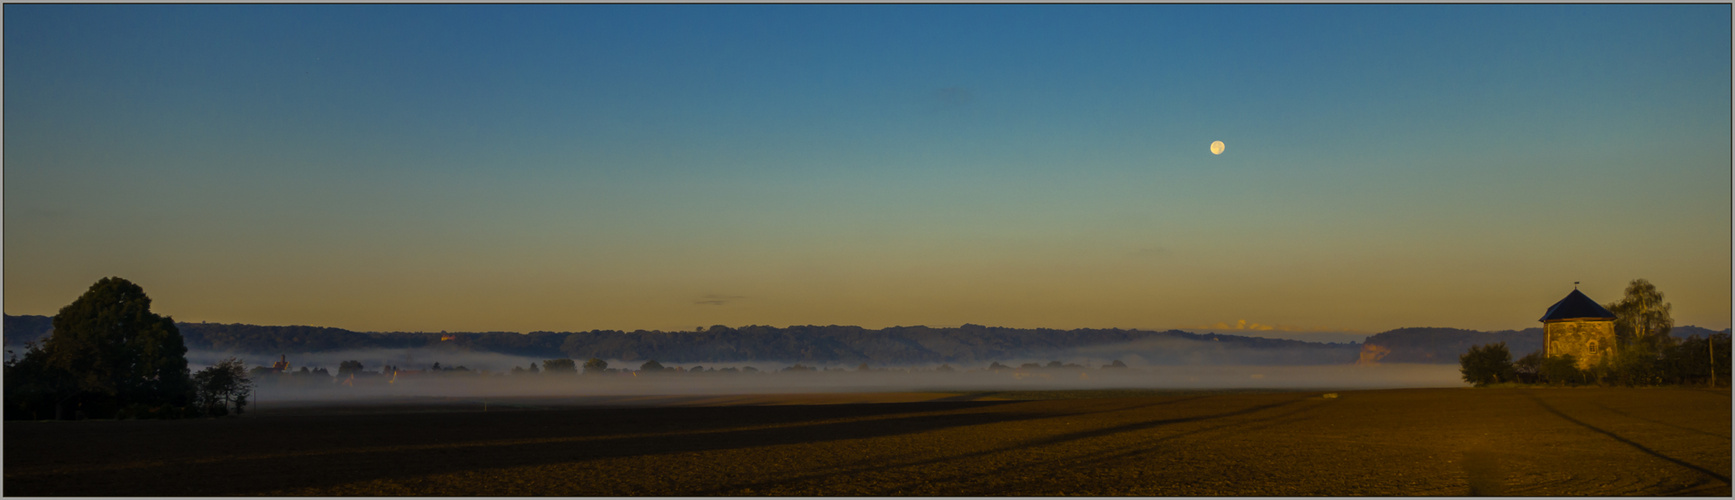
x=564, y=167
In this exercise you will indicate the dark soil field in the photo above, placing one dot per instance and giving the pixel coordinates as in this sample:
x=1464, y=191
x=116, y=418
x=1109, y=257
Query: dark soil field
x=1386, y=442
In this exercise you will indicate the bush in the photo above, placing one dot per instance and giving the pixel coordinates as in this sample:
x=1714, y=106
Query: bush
x=1635, y=364
x=1487, y=364
x=1560, y=370
x=1529, y=367
x=1691, y=361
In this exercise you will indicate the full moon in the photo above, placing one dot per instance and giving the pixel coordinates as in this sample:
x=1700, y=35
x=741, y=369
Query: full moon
x=1216, y=147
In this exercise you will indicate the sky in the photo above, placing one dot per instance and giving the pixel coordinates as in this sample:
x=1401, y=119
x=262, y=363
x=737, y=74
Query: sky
x=577, y=167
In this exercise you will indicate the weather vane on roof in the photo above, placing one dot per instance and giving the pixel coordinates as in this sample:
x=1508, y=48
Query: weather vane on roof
x=1575, y=285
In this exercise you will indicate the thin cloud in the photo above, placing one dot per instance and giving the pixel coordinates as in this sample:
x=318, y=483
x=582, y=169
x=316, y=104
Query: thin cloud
x=1239, y=324
x=1244, y=325
x=712, y=299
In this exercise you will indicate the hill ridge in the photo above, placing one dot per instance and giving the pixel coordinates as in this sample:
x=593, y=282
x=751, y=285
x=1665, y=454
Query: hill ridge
x=968, y=343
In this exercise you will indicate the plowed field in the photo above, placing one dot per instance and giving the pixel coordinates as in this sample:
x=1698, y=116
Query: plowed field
x=1387, y=442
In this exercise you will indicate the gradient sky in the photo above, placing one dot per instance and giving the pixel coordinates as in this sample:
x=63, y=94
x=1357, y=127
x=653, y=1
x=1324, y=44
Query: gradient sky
x=570, y=167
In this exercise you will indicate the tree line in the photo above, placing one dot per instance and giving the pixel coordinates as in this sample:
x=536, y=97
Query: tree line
x=355, y=369
x=902, y=345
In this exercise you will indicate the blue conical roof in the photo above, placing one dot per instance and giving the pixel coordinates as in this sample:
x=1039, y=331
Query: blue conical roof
x=1576, y=306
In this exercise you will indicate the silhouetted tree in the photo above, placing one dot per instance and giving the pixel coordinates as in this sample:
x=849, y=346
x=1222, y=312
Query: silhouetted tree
x=594, y=365
x=1486, y=364
x=651, y=366
x=1116, y=364
x=562, y=365
x=223, y=388
x=994, y=366
x=1055, y=364
x=31, y=386
x=353, y=367
x=109, y=351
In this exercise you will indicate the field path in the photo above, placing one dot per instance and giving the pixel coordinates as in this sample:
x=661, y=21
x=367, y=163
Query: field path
x=1438, y=442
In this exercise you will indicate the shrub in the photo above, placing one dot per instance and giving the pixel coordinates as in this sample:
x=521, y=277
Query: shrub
x=1528, y=367
x=1487, y=364
x=1560, y=370
x=1691, y=361
x=1635, y=364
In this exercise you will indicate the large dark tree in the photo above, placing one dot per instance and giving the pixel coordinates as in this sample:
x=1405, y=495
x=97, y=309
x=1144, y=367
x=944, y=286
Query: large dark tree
x=108, y=351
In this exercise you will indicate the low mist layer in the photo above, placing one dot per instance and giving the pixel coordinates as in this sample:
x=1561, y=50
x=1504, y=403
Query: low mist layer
x=729, y=379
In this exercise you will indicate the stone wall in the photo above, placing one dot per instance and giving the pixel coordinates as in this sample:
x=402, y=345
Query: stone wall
x=1588, y=340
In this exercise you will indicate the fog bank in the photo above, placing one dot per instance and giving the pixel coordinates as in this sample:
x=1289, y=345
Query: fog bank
x=473, y=385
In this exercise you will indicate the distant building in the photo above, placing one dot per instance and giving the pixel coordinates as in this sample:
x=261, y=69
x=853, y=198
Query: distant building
x=282, y=364
x=1579, y=326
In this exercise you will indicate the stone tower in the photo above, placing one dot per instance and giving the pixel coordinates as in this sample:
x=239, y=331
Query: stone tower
x=1579, y=326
